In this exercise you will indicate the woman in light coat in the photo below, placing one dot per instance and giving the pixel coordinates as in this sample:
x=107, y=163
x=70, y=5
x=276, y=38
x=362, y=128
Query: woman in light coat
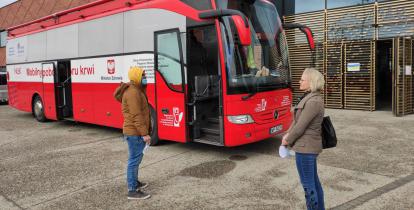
x=304, y=136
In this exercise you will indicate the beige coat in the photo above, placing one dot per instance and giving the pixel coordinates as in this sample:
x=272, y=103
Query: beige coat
x=305, y=132
x=136, y=112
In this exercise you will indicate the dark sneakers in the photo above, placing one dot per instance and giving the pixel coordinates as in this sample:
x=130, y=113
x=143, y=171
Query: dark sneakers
x=142, y=185
x=138, y=195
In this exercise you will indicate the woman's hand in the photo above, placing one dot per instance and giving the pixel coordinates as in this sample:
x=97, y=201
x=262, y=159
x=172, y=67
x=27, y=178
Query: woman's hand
x=284, y=142
x=147, y=139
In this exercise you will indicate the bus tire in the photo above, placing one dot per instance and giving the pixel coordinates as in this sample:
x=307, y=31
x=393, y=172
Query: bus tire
x=154, y=131
x=38, y=109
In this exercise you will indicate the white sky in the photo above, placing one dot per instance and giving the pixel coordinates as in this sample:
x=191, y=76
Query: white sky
x=6, y=2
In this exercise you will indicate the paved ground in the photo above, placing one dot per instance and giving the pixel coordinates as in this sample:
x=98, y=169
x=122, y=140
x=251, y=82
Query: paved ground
x=65, y=165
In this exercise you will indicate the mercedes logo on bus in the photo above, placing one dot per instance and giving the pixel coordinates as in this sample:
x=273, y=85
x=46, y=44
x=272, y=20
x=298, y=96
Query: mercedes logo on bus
x=275, y=114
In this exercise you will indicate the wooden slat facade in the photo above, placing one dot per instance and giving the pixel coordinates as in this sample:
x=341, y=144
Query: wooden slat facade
x=359, y=90
x=349, y=35
x=395, y=19
x=408, y=78
x=333, y=75
x=299, y=53
x=403, y=93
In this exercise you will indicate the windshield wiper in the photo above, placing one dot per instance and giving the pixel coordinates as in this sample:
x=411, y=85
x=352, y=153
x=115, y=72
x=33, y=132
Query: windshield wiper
x=286, y=85
x=249, y=96
x=252, y=93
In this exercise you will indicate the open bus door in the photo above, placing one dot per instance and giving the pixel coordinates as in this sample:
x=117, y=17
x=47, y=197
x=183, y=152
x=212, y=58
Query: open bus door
x=170, y=86
x=63, y=89
x=48, y=91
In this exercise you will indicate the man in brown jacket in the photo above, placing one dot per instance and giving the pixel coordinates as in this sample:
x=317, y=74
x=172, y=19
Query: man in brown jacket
x=136, y=129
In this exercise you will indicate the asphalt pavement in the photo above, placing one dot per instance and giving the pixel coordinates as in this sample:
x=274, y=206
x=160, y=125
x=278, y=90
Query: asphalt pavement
x=69, y=165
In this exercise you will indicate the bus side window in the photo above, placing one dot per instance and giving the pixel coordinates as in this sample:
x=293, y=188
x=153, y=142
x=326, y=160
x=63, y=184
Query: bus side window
x=169, y=60
x=3, y=80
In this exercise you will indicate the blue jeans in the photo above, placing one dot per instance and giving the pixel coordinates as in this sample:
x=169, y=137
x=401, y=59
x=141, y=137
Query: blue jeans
x=308, y=173
x=136, y=145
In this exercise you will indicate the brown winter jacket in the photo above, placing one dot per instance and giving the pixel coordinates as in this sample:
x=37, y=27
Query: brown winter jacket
x=304, y=136
x=135, y=108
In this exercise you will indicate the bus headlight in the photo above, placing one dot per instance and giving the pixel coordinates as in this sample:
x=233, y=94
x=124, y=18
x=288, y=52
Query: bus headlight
x=240, y=119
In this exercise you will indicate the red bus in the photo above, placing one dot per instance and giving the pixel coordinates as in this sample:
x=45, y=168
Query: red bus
x=218, y=70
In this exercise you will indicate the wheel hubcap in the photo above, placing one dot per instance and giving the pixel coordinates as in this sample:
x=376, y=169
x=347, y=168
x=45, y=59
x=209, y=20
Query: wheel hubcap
x=38, y=109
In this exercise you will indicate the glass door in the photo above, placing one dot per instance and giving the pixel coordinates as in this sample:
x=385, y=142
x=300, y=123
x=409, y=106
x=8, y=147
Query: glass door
x=170, y=86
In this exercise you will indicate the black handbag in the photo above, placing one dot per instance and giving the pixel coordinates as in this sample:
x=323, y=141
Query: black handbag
x=328, y=134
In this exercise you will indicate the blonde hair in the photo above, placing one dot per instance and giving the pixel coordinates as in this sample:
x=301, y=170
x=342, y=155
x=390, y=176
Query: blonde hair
x=315, y=78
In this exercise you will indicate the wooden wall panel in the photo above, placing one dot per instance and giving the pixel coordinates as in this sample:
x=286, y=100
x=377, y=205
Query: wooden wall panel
x=334, y=77
x=408, y=80
x=351, y=23
x=358, y=89
x=403, y=79
x=349, y=35
x=405, y=105
x=395, y=19
x=299, y=53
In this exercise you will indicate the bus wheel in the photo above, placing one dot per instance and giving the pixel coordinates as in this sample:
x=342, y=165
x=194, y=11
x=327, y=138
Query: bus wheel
x=38, y=110
x=154, y=125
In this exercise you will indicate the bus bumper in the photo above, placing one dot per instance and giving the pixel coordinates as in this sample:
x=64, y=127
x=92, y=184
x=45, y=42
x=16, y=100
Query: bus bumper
x=236, y=134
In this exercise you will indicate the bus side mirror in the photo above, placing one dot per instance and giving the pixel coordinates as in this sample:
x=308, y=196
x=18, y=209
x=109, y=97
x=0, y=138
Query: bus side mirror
x=309, y=36
x=239, y=19
x=304, y=29
x=242, y=31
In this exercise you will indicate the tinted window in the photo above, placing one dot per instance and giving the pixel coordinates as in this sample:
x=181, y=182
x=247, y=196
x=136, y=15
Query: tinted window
x=3, y=79
x=199, y=4
x=169, y=60
x=278, y=6
x=345, y=3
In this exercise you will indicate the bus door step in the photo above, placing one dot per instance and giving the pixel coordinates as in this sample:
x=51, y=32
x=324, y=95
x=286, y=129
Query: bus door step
x=211, y=130
x=213, y=120
x=70, y=119
x=209, y=139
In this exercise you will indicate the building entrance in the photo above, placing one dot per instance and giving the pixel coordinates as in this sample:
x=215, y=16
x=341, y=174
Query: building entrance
x=383, y=86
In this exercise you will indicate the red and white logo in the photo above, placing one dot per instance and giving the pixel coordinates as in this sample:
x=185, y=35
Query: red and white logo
x=262, y=106
x=285, y=101
x=17, y=70
x=178, y=116
x=111, y=66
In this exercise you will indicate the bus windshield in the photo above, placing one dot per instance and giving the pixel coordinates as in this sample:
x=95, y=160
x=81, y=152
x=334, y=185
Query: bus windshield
x=264, y=65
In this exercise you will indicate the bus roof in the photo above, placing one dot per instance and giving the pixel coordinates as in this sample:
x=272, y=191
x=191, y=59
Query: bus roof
x=97, y=9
